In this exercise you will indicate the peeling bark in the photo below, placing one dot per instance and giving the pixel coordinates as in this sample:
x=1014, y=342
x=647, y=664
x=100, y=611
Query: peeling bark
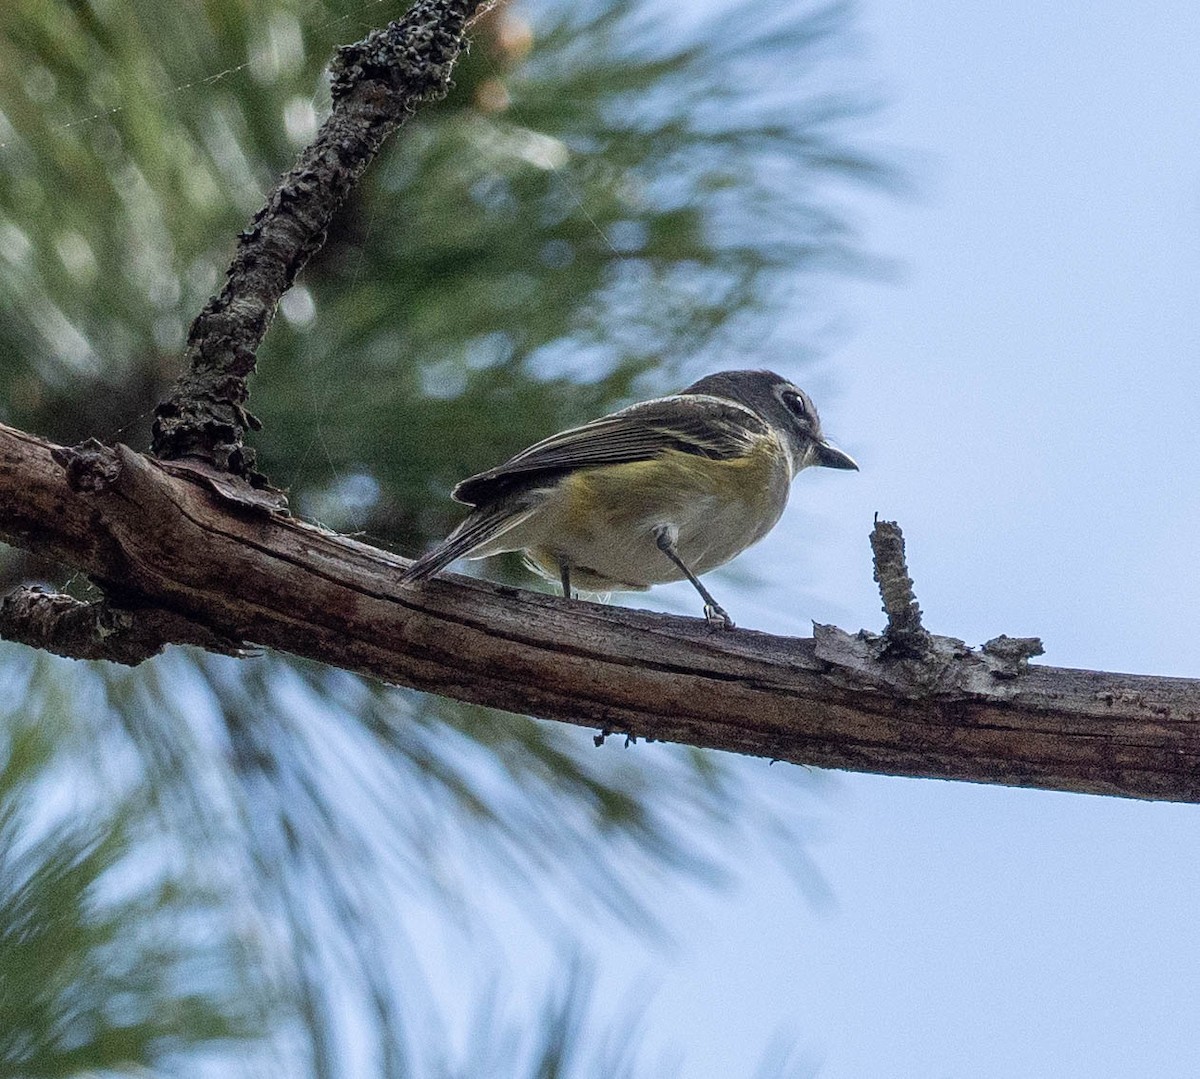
x=69, y=627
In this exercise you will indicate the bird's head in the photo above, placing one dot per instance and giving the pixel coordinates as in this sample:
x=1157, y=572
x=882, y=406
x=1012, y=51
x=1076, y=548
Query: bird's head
x=787, y=408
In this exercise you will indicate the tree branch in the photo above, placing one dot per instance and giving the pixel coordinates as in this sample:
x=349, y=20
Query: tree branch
x=376, y=84
x=158, y=536
x=70, y=627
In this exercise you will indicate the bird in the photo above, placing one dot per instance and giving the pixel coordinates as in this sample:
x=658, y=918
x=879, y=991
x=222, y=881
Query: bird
x=663, y=490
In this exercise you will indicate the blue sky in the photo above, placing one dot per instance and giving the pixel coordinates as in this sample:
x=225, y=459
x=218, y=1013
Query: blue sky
x=1022, y=394
x=1023, y=397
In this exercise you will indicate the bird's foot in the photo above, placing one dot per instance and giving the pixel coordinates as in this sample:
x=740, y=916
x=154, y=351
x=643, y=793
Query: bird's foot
x=716, y=617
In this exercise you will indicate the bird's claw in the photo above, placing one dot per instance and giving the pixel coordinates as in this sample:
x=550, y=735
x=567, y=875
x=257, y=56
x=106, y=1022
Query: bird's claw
x=716, y=617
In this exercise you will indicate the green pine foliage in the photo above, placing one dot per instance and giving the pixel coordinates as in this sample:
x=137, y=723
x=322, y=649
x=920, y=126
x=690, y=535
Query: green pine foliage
x=113, y=952
x=610, y=202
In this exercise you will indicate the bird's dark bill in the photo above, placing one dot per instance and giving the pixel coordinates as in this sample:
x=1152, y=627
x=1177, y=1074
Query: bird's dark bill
x=831, y=457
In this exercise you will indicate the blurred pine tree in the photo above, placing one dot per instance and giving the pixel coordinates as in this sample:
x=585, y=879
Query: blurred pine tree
x=609, y=202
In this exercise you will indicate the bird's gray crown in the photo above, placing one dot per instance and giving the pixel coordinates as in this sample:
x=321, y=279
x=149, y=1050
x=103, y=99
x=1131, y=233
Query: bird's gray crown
x=785, y=406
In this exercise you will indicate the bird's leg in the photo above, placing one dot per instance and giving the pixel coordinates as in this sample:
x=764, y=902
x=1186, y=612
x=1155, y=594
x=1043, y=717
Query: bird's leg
x=714, y=613
x=564, y=568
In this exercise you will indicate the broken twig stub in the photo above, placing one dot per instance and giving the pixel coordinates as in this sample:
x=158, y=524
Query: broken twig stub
x=906, y=658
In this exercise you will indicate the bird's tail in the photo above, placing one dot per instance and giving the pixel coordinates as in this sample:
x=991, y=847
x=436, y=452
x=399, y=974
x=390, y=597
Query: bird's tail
x=478, y=530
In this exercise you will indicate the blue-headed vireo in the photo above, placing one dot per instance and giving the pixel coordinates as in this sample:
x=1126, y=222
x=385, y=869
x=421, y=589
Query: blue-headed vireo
x=661, y=491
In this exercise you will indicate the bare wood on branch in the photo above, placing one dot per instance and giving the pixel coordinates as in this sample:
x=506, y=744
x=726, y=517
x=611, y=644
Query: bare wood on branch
x=163, y=540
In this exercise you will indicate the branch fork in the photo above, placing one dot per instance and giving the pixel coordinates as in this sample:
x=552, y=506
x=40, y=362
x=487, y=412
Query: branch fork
x=193, y=548
x=906, y=658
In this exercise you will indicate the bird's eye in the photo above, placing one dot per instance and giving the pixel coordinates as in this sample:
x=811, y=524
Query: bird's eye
x=796, y=403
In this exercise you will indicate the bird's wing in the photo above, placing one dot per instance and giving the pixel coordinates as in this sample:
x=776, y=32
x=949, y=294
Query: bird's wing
x=689, y=423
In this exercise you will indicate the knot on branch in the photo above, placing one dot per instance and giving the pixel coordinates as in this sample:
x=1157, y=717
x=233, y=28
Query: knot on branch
x=412, y=57
x=91, y=466
x=1012, y=654
x=66, y=626
x=204, y=418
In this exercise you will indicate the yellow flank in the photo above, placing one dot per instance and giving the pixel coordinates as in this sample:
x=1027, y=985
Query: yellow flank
x=613, y=496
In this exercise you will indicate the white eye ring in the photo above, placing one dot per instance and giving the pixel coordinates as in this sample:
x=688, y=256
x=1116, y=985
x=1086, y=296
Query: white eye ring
x=795, y=403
